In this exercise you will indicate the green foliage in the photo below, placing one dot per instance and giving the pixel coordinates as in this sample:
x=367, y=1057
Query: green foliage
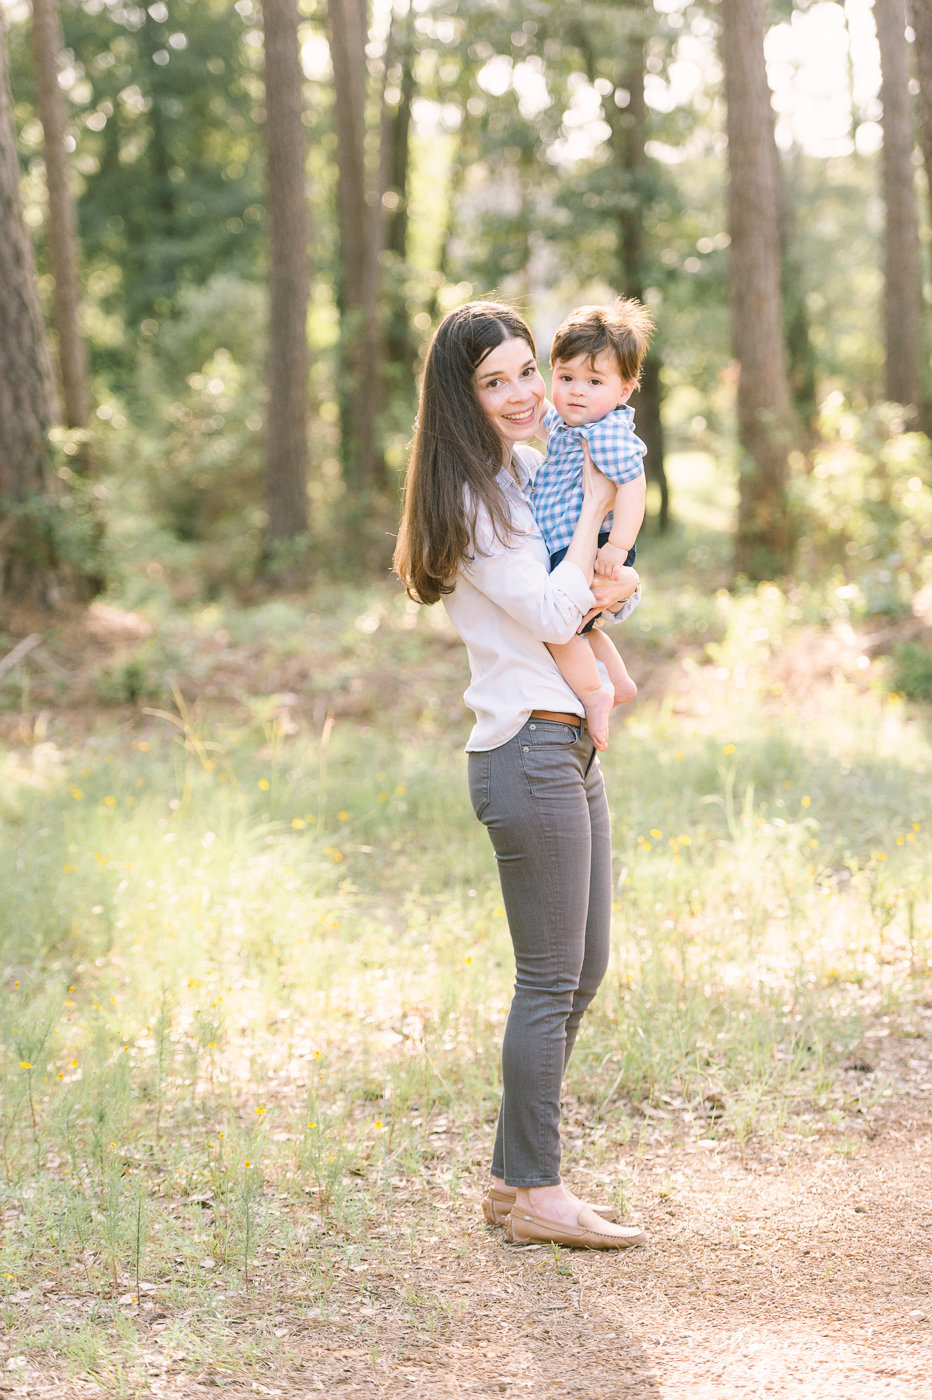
x=183, y=454
x=169, y=146
x=866, y=506
x=518, y=182
x=59, y=531
x=912, y=670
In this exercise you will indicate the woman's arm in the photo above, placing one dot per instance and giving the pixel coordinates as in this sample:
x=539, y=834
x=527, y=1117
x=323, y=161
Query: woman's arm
x=598, y=497
x=516, y=578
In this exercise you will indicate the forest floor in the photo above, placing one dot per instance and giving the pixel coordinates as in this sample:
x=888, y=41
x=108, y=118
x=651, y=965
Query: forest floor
x=776, y=1267
x=803, y=1271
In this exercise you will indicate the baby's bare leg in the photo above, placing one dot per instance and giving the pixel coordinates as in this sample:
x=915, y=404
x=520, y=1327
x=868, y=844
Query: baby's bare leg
x=578, y=668
x=606, y=651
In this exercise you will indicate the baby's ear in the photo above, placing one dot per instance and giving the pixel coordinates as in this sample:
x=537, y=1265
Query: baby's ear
x=626, y=391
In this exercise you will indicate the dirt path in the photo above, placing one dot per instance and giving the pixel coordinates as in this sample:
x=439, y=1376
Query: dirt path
x=800, y=1270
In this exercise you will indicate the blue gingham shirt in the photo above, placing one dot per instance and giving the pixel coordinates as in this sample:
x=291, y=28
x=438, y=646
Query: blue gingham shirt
x=558, y=491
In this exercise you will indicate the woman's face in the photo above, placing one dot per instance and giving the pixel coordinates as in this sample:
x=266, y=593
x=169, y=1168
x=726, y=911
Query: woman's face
x=511, y=391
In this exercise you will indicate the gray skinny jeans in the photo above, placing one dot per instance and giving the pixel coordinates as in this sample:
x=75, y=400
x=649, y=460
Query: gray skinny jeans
x=542, y=800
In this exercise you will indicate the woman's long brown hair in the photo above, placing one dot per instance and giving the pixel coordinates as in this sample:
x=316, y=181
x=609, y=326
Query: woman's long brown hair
x=456, y=454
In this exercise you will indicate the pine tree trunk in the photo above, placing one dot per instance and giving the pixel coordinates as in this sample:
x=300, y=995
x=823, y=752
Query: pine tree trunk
x=920, y=12
x=902, y=286
x=62, y=222
x=920, y=17
x=359, y=214
x=286, y=433
x=399, y=344
x=630, y=142
x=766, y=426
x=29, y=566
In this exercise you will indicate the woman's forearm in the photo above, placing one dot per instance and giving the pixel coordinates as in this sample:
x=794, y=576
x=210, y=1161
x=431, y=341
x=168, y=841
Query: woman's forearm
x=598, y=498
x=583, y=545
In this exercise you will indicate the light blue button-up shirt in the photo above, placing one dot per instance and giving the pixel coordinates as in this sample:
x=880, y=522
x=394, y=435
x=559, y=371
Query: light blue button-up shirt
x=557, y=498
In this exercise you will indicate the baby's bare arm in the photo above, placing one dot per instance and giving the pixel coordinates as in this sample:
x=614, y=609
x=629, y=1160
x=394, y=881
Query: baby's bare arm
x=628, y=512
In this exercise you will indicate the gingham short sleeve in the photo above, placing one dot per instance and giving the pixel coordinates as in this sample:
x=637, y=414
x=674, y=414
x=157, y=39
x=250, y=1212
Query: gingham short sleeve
x=615, y=447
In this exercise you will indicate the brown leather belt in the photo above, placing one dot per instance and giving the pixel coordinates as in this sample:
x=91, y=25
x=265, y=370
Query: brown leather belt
x=559, y=717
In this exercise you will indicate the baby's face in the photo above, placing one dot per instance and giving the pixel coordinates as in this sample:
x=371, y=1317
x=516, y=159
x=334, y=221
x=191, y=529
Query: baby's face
x=585, y=390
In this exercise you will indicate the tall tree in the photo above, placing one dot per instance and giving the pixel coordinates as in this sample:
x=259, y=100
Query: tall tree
x=766, y=429
x=395, y=158
x=902, y=286
x=62, y=231
x=361, y=222
x=286, y=433
x=920, y=17
x=630, y=128
x=29, y=562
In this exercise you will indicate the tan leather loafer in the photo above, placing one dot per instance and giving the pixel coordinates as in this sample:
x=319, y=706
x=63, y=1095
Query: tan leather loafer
x=591, y=1231
x=498, y=1203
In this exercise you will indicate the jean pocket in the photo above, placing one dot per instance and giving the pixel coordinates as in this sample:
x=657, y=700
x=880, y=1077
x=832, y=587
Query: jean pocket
x=479, y=769
x=550, y=757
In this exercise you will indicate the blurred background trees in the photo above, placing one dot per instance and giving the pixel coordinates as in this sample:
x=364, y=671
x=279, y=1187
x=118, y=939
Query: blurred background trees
x=404, y=156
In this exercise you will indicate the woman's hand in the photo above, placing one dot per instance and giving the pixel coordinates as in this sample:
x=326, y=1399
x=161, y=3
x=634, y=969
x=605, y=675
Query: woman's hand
x=610, y=593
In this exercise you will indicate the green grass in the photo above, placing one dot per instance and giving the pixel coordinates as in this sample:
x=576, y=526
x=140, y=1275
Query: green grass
x=256, y=968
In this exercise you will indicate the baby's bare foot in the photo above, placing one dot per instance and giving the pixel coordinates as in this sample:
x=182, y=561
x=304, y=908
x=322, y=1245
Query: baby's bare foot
x=599, y=705
x=625, y=690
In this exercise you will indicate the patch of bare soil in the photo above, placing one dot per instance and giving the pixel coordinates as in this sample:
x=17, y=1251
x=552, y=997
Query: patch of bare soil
x=69, y=656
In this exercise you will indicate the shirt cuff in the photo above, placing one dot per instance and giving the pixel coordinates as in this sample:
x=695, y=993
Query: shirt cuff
x=571, y=580
x=628, y=606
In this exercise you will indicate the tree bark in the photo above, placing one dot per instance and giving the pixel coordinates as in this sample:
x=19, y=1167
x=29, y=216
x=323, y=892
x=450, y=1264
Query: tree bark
x=920, y=13
x=630, y=133
x=920, y=17
x=286, y=432
x=400, y=349
x=359, y=213
x=62, y=229
x=902, y=285
x=29, y=564
x=766, y=426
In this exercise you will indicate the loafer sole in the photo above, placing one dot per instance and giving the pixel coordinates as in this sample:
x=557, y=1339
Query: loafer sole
x=523, y=1227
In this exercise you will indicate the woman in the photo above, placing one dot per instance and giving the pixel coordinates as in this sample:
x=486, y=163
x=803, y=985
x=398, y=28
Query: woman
x=468, y=535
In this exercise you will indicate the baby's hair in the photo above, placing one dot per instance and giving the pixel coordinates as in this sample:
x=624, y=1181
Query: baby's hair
x=624, y=328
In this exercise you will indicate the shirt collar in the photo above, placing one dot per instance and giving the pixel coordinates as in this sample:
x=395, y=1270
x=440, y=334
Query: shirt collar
x=524, y=474
x=624, y=412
